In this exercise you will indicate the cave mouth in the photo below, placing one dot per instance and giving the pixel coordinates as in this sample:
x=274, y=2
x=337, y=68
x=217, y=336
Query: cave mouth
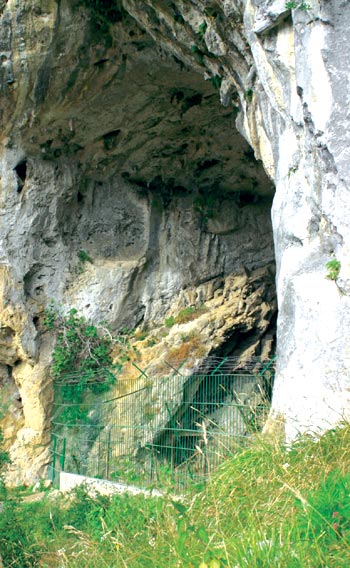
x=151, y=125
x=130, y=112
x=152, y=135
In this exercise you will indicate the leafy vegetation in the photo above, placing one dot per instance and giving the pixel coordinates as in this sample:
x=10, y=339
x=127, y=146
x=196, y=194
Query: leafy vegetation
x=201, y=30
x=216, y=81
x=266, y=506
x=293, y=4
x=197, y=54
x=333, y=267
x=170, y=321
x=248, y=95
x=84, y=257
x=81, y=347
x=186, y=314
x=81, y=360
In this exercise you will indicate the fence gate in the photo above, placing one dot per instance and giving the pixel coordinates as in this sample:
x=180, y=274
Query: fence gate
x=164, y=431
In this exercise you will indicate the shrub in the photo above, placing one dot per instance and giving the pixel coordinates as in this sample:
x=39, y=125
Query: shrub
x=333, y=267
x=84, y=257
x=293, y=4
x=81, y=359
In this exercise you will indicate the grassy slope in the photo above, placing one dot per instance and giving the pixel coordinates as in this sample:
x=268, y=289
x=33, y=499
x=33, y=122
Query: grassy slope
x=266, y=507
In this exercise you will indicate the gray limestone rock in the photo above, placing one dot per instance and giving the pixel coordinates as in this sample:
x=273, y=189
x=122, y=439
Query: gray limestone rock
x=115, y=147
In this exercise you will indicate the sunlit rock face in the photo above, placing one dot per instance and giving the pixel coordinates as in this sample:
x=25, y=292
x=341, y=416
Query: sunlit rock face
x=153, y=143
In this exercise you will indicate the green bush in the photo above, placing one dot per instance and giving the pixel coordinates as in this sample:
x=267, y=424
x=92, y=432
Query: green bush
x=293, y=4
x=81, y=360
x=333, y=267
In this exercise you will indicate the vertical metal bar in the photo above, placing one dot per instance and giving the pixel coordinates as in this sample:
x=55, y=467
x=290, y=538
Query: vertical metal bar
x=54, y=449
x=99, y=454
x=63, y=455
x=108, y=453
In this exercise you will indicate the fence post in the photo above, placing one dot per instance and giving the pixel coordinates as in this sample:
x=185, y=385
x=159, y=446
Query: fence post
x=54, y=444
x=108, y=456
x=63, y=455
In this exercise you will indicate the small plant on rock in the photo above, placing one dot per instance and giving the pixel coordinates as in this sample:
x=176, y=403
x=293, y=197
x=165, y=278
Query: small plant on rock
x=201, y=30
x=248, y=95
x=302, y=5
x=333, y=267
x=84, y=257
x=170, y=321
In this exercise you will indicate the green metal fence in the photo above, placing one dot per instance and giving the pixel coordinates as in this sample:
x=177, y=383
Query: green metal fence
x=168, y=430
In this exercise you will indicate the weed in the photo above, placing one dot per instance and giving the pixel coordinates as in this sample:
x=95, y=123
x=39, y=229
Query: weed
x=293, y=5
x=248, y=95
x=292, y=170
x=81, y=359
x=179, y=19
x=151, y=341
x=141, y=335
x=185, y=315
x=201, y=30
x=190, y=313
x=216, y=81
x=328, y=509
x=84, y=257
x=197, y=54
x=169, y=322
x=333, y=267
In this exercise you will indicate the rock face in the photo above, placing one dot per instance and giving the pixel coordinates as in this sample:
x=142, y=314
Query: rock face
x=137, y=143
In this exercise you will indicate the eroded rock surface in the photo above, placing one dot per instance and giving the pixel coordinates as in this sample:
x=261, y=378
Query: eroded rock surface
x=140, y=143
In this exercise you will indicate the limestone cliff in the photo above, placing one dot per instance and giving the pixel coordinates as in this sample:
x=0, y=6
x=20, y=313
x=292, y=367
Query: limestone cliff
x=140, y=134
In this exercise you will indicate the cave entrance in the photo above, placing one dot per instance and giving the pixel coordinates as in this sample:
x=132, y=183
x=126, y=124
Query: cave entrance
x=174, y=429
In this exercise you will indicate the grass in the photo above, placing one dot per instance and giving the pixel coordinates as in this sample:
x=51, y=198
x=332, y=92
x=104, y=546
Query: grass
x=192, y=346
x=267, y=506
x=185, y=315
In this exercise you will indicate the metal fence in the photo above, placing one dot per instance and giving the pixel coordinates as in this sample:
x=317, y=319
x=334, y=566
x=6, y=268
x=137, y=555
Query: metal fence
x=172, y=430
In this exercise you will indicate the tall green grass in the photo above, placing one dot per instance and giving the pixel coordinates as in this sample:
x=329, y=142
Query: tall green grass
x=267, y=506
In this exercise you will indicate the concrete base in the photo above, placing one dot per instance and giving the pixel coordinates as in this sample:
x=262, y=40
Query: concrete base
x=69, y=481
